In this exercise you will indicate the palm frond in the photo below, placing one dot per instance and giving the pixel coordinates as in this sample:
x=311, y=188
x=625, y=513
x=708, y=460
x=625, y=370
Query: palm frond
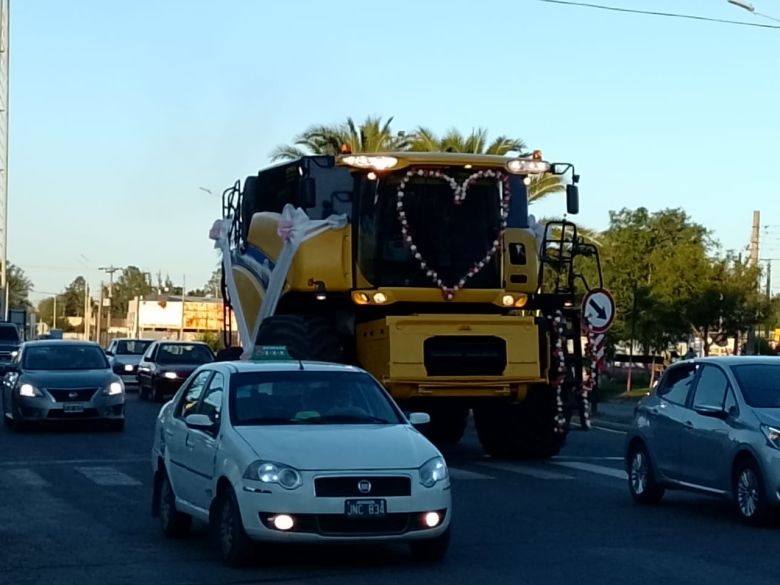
x=286, y=152
x=503, y=145
x=544, y=185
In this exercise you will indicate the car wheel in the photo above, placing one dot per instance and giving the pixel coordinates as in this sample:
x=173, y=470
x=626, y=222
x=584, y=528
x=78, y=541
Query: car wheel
x=641, y=478
x=431, y=550
x=157, y=392
x=174, y=523
x=750, y=495
x=142, y=392
x=234, y=544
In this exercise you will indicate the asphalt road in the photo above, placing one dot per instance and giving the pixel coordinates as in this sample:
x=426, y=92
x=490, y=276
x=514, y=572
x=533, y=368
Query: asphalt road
x=75, y=504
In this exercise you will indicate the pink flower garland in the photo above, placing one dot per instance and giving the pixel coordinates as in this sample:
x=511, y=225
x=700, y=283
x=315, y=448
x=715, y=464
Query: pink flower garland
x=460, y=190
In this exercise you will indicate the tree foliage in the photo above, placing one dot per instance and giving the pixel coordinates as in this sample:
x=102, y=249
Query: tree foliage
x=19, y=287
x=130, y=284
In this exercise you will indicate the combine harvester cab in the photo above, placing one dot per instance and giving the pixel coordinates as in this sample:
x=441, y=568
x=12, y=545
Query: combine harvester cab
x=426, y=270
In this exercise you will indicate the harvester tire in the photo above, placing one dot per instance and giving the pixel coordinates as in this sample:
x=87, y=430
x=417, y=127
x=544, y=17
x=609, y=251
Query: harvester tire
x=521, y=431
x=306, y=337
x=229, y=354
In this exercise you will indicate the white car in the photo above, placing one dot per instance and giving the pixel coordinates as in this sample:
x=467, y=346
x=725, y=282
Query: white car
x=303, y=452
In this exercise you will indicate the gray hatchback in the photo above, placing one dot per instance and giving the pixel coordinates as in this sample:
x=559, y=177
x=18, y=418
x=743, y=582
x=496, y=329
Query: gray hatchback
x=712, y=426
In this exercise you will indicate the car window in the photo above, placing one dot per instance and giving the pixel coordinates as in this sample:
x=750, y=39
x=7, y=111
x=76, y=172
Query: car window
x=182, y=353
x=192, y=394
x=677, y=384
x=149, y=355
x=64, y=356
x=130, y=347
x=711, y=388
x=759, y=383
x=300, y=397
x=211, y=405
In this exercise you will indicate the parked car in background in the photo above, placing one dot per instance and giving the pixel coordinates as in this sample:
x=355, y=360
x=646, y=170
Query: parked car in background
x=124, y=355
x=712, y=426
x=167, y=364
x=61, y=380
x=9, y=343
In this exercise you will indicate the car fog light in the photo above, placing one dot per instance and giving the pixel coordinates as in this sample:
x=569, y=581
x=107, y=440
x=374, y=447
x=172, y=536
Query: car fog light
x=283, y=522
x=432, y=519
x=128, y=368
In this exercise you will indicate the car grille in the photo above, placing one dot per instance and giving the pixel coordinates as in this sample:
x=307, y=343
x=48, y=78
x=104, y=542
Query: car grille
x=72, y=394
x=464, y=355
x=347, y=487
x=86, y=413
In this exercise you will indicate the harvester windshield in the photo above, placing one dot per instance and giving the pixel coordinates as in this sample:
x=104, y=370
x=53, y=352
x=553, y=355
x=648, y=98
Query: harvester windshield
x=408, y=226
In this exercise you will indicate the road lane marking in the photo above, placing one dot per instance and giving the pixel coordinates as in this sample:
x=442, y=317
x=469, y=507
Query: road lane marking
x=588, y=458
x=529, y=470
x=458, y=474
x=590, y=467
x=615, y=431
x=34, y=462
x=27, y=477
x=107, y=476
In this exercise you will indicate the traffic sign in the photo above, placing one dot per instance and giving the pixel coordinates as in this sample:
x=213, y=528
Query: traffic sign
x=598, y=309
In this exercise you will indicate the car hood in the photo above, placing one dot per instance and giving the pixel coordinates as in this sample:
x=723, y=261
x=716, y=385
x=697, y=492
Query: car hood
x=339, y=447
x=69, y=378
x=768, y=416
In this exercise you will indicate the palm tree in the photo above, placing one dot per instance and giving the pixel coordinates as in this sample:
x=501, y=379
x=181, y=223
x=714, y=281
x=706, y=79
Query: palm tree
x=372, y=135
x=425, y=140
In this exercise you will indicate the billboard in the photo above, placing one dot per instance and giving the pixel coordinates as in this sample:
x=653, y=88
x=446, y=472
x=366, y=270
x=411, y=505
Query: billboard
x=153, y=315
x=203, y=316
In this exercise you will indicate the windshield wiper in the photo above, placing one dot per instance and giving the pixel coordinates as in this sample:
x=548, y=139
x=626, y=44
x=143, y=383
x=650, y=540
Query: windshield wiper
x=336, y=418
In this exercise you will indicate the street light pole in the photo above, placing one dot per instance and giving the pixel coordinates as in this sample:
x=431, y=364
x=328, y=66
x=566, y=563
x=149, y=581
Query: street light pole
x=110, y=271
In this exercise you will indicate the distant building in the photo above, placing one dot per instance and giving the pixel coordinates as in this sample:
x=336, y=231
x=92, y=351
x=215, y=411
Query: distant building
x=171, y=317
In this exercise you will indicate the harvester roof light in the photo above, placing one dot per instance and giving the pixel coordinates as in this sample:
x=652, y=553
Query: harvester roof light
x=537, y=155
x=525, y=166
x=378, y=163
x=346, y=149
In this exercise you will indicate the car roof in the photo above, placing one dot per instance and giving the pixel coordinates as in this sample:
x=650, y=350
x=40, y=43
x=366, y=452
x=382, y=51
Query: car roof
x=736, y=360
x=59, y=342
x=178, y=342
x=241, y=367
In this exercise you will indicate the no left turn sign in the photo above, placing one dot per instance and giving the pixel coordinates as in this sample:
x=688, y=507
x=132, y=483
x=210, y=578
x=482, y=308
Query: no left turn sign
x=598, y=309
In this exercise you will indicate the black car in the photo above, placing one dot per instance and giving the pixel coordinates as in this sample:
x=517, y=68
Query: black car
x=61, y=380
x=9, y=343
x=167, y=364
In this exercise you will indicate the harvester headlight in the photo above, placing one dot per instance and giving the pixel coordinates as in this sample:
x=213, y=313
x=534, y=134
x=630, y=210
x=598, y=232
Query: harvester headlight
x=521, y=301
x=378, y=163
x=380, y=298
x=523, y=166
x=508, y=300
x=360, y=298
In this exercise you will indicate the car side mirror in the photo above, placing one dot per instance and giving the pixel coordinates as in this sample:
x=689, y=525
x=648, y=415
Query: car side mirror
x=419, y=419
x=109, y=353
x=200, y=422
x=572, y=199
x=713, y=412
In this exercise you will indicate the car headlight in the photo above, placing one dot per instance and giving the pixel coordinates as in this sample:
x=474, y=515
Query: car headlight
x=113, y=389
x=29, y=391
x=170, y=375
x=433, y=471
x=128, y=368
x=772, y=435
x=269, y=472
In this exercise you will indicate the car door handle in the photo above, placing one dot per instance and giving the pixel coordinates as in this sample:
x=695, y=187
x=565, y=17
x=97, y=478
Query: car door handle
x=169, y=433
x=187, y=443
x=688, y=424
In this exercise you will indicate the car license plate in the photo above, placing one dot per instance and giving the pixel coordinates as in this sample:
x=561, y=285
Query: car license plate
x=73, y=407
x=365, y=508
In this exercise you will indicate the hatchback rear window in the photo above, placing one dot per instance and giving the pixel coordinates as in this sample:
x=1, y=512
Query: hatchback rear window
x=760, y=384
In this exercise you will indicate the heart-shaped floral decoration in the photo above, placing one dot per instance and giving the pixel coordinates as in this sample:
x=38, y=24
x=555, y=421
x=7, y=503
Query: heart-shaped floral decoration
x=459, y=190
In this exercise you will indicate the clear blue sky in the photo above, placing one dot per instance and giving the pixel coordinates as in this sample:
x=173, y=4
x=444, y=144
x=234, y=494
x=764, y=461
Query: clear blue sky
x=120, y=111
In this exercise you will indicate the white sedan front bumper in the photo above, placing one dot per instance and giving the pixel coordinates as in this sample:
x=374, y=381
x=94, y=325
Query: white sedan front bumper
x=323, y=518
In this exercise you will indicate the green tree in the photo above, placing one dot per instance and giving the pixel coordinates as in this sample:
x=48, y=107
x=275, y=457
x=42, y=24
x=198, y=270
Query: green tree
x=19, y=288
x=214, y=285
x=425, y=140
x=73, y=297
x=131, y=283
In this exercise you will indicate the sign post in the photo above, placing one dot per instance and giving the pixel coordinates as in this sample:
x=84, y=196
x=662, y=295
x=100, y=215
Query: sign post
x=598, y=315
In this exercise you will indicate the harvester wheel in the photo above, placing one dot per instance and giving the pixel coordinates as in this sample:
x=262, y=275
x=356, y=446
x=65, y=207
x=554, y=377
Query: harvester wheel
x=447, y=425
x=526, y=430
x=306, y=337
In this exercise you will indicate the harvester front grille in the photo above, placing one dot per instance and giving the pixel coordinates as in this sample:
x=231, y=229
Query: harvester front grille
x=465, y=355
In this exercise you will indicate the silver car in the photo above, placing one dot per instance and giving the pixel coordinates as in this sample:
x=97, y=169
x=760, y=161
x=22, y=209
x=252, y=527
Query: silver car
x=61, y=380
x=712, y=426
x=124, y=355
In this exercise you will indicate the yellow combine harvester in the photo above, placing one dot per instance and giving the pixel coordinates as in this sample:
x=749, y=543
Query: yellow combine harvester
x=423, y=269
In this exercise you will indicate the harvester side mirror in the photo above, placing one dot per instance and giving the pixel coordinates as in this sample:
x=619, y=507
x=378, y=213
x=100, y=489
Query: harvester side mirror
x=572, y=199
x=307, y=192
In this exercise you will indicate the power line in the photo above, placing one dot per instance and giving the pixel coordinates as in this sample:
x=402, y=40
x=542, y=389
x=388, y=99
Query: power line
x=656, y=13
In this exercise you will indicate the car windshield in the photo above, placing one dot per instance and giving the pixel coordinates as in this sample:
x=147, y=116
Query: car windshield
x=760, y=384
x=63, y=356
x=182, y=353
x=300, y=397
x=9, y=334
x=131, y=347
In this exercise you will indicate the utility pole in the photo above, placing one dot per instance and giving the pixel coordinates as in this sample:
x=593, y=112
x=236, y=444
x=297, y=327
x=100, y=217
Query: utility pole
x=99, y=323
x=54, y=314
x=87, y=311
x=110, y=271
x=181, y=326
x=754, y=240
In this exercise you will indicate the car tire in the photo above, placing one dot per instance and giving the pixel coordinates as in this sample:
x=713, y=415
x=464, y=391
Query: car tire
x=157, y=393
x=234, y=544
x=750, y=494
x=142, y=392
x=642, y=483
x=174, y=524
x=431, y=550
